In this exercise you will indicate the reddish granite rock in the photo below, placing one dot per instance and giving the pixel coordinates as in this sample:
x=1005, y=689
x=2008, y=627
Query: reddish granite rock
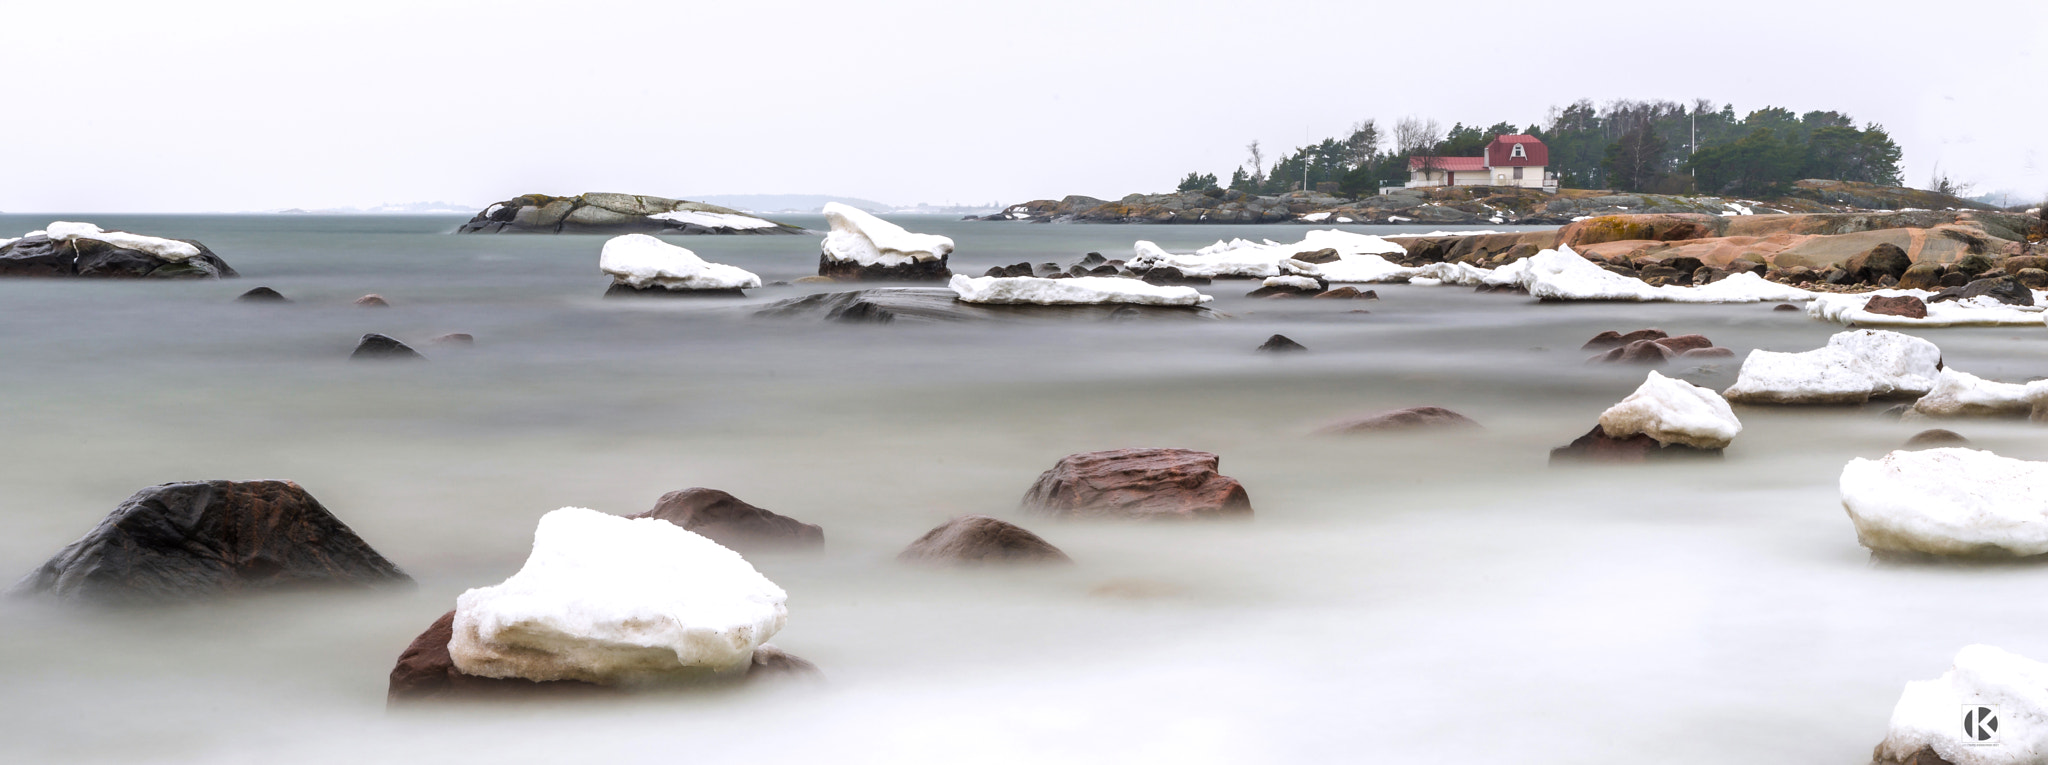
x=724, y=519
x=179, y=541
x=1902, y=305
x=1411, y=418
x=981, y=539
x=1138, y=483
x=1611, y=338
x=1683, y=343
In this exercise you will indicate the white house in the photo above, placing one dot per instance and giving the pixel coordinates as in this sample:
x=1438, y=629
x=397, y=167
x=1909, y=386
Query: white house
x=1510, y=160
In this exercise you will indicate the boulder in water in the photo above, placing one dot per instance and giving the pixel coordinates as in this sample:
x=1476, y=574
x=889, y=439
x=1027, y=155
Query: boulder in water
x=262, y=295
x=643, y=265
x=862, y=247
x=70, y=249
x=1138, y=484
x=981, y=539
x=725, y=519
x=379, y=347
x=1281, y=344
x=1411, y=418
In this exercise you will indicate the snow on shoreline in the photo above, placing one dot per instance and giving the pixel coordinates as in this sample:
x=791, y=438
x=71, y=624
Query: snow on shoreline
x=1082, y=290
x=65, y=231
x=642, y=261
x=870, y=241
x=1973, y=312
x=1562, y=274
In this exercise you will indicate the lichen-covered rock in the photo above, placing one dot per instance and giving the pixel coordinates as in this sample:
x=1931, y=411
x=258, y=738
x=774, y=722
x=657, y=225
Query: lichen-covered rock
x=981, y=539
x=1138, y=484
x=180, y=541
x=618, y=601
x=725, y=519
x=606, y=213
x=862, y=247
x=83, y=250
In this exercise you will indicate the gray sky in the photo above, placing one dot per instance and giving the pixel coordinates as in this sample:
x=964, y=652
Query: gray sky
x=209, y=106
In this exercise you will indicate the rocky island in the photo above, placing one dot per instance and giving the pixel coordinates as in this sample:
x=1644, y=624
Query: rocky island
x=606, y=213
x=69, y=249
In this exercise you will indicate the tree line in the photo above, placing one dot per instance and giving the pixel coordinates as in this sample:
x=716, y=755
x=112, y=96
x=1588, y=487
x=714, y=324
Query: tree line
x=1642, y=146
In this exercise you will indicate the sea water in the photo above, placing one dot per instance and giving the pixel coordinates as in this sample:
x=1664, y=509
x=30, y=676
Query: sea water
x=1423, y=597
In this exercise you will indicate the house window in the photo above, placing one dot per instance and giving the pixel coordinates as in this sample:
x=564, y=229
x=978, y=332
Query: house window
x=1518, y=170
x=1517, y=153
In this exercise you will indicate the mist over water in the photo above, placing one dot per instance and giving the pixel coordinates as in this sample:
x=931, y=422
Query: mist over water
x=1428, y=598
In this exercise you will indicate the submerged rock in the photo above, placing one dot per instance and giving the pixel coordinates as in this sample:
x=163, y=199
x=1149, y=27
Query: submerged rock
x=262, y=295
x=889, y=305
x=1934, y=437
x=1948, y=502
x=618, y=601
x=862, y=247
x=981, y=539
x=1613, y=339
x=1139, y=484
x=373, y=301
x=1940, y=721
x=643, y=265
x=1411, y=418
x=725, y=519
x=606, y=213
x=380, y=348
x=1281, y=344
x=180, y=541
x=453, y=338
x=70, y=249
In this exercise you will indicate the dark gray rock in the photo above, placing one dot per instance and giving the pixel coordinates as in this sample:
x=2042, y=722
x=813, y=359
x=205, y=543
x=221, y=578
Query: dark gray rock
x=94, y=259
x=378, y=347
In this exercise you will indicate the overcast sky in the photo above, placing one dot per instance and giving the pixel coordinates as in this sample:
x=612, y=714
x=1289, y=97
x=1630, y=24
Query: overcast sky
x=213, y=106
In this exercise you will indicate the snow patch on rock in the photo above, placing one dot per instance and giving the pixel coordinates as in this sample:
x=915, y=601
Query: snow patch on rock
x=1852, y=368
x=1929, y=712
x=613, y=600
x=1359, y=257
x=65, y=231
x=1562, y=274
x=1673, y=412
x=1950, y=501
x=871, y=241
x=1974, y=312
x=1083, y=290
x=642, y=261
x=715, y=220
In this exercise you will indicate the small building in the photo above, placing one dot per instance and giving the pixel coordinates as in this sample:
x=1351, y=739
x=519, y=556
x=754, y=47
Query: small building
x=1510, y=160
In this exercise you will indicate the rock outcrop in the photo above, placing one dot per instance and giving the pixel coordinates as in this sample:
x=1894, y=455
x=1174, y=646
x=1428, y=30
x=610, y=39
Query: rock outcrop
x=643, y=265
x=605, y=213
x=82, y=250
x=182, y=541
x=976, y=539
x=618, y=601
x=1138, y=484
x=862, y=247
x=725, y=519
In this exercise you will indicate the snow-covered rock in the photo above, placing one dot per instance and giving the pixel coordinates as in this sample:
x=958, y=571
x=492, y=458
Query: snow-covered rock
x=1929, y=714
x=862, y=246
x=1852, y=368
x=1084, y=290
x=642, y=262
x=1562, y=274
x=617, y=601
x=1359, y=258
x=1292, y=283
x=612, y=213
x=1951, y=501
x=1961, y=394
x=1673, y=412
x=1979, y=311
x=69, y=248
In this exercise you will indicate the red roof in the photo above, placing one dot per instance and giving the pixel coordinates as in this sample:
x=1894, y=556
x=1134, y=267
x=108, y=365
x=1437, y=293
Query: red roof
x=1500, y=152
x=1453, y=164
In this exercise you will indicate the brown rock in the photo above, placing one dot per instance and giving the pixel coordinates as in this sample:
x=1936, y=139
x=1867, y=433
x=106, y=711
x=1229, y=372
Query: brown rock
x=372, y=301
x=1597, y=446
x=1928, y=439
x=1638, y=352
x=1340, y=293
x=1921, y=276
x=1902, y=305
x=1925, y=756
x=1281, y=344
x=1885, y=259
x=1611, y=338
x=724, y=519
x=1784, y=307
x=1683, y=343
x=1138, y=483
x=2032, y=278
x=1716, y=352
x=1325, y=255
x=981, y=539
x=180, y=541
x=1411, y=418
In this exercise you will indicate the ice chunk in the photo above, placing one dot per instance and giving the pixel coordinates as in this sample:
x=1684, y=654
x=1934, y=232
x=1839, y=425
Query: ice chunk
x=1974, y=312
x=1296, y=283
x=1930, y=712
x=642, y=261
x=1961, y=394
x=1673, y=412
x=1852, y=368
x=167, y=249
x=871, y=241
x=613, y=600
x=1951, y=501
x=1084, y=290
x=1562, y=274
x=1358, y=257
